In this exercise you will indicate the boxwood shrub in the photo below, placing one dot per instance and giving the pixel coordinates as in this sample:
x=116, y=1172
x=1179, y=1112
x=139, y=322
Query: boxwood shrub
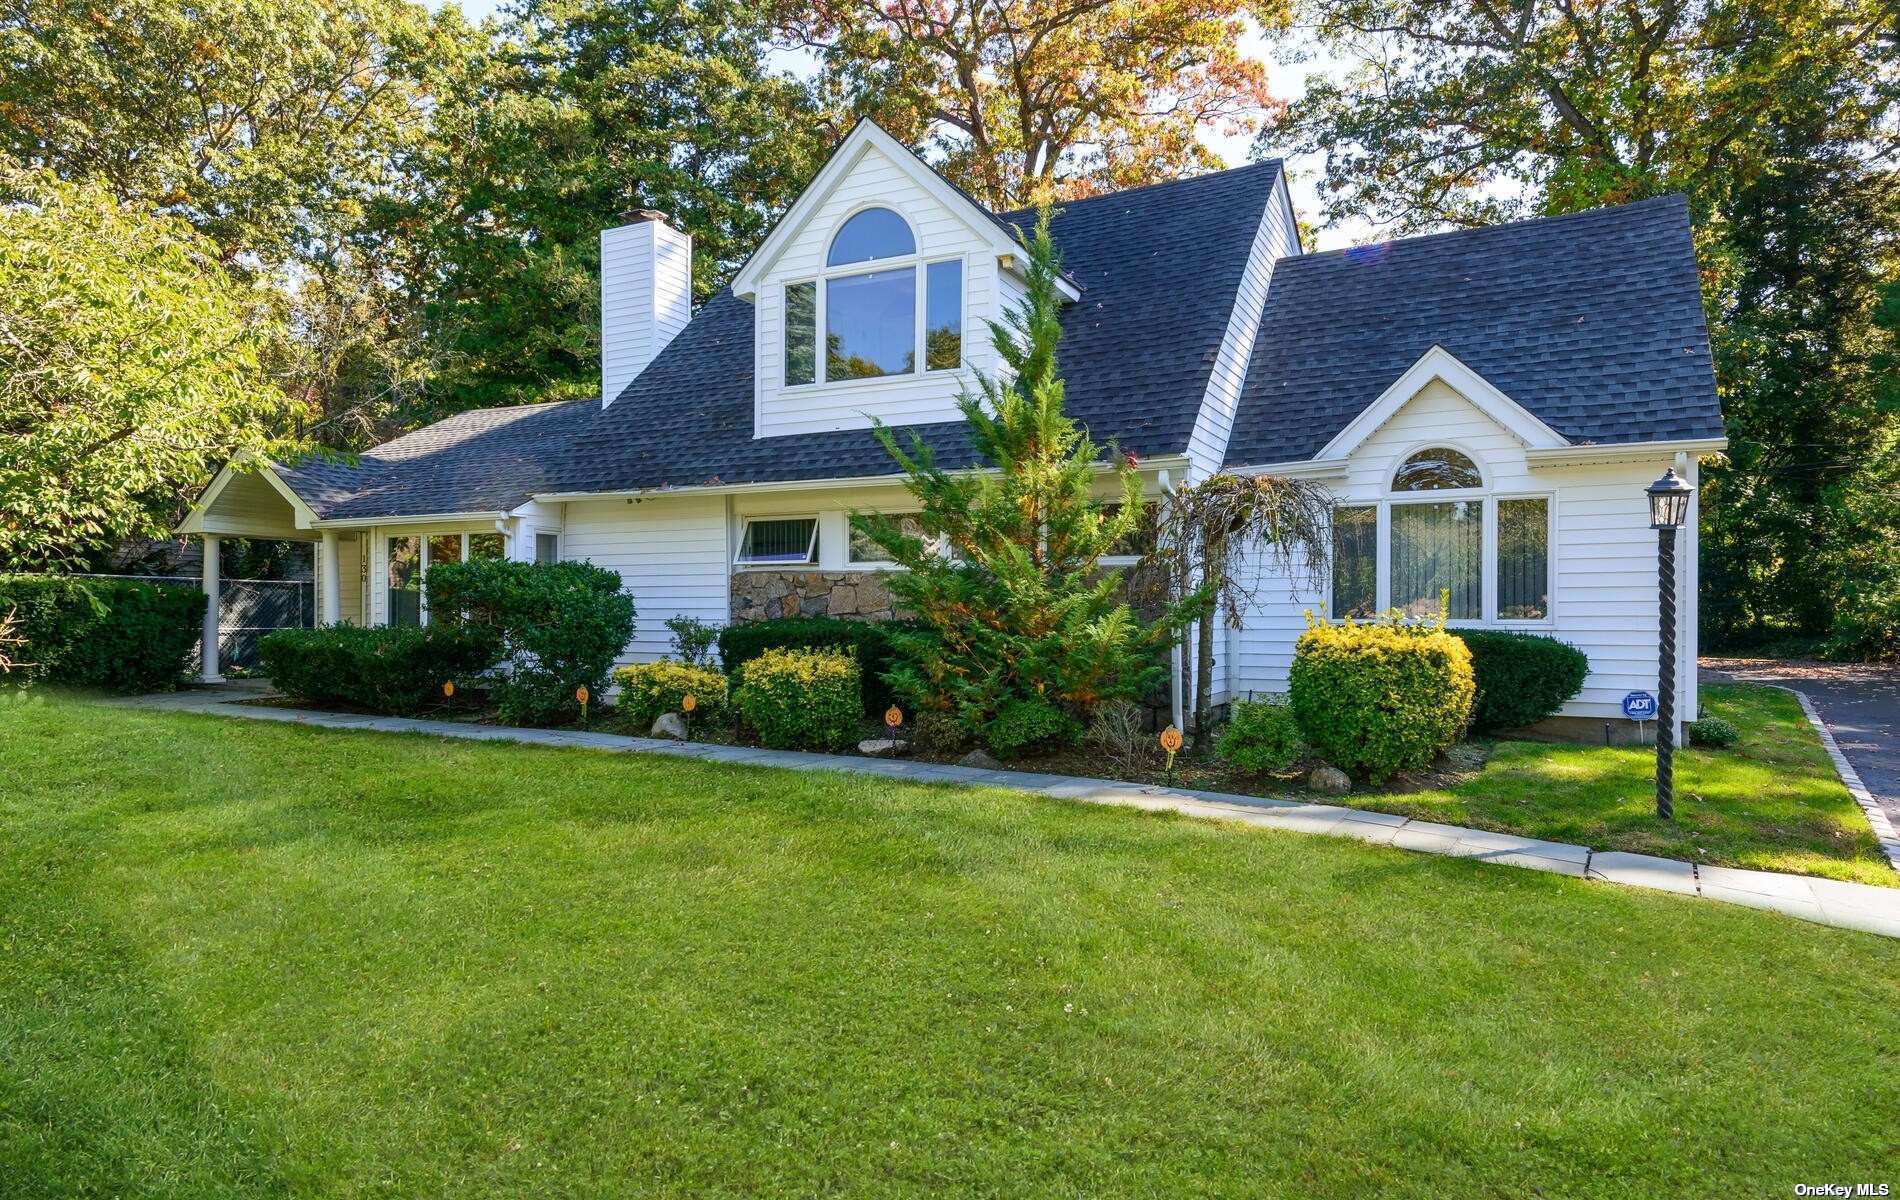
x=649, y=689
x=1380, y=698
x=120, y=634
x=397, y=670
x=1522, y=678
x=802, y=699
x=870, y=641
x=559, y=625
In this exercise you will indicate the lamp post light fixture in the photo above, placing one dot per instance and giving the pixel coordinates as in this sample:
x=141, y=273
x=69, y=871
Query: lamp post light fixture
x=1668, y=512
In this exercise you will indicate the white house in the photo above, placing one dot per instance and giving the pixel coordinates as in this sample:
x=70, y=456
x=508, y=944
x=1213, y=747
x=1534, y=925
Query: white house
x=1485, y=406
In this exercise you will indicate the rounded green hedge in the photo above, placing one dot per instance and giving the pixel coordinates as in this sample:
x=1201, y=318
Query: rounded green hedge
x=388, y=669
x=1263, y=736
x=648, y=690
x=802, y=699
x=121, y=634
x=1522, y=677
x=870, y=641
x=1380, y=698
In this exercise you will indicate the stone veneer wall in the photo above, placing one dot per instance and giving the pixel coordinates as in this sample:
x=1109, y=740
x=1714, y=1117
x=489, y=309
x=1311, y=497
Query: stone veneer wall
x=860, y=595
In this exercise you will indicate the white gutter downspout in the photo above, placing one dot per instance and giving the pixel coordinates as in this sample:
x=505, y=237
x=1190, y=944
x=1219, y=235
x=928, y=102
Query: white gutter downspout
x=1174, y=653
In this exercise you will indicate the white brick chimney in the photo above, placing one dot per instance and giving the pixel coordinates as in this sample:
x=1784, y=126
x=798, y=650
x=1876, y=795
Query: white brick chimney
x=646, y=295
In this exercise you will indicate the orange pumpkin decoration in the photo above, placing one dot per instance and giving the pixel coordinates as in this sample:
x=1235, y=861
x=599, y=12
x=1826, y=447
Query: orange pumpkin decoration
x=1171, y=739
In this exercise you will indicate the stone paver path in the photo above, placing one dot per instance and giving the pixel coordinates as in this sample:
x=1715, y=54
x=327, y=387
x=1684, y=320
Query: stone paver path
x=1848, y=905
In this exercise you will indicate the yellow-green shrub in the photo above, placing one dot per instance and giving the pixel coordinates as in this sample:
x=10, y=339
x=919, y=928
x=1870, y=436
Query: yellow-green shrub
x=802, y=699
x=649, y=689
x=1378, y=698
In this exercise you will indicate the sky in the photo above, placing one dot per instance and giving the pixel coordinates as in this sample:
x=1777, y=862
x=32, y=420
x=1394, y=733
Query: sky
x=1287, y=80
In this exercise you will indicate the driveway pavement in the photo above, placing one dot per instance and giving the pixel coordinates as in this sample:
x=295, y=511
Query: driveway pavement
x=1860, y=703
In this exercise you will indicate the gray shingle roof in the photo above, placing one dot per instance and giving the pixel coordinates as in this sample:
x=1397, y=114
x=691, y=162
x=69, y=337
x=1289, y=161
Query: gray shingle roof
x=1591, y=321
x=1158, y=267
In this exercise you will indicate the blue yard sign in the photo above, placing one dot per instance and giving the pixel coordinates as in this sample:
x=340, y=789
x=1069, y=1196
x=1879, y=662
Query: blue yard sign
x=1639, y=706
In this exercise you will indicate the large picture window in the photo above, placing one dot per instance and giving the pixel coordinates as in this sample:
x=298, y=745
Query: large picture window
x=405, y=581
x=868, y=306
x=1355, y=561
x=1440, y=537
x=1438, y=555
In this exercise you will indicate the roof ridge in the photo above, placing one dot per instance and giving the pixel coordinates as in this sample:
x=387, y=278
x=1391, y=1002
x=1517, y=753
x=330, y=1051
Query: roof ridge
x=1582, y=214
x=1203, y=177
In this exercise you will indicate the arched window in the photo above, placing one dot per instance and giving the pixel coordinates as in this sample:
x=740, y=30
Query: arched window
x=1412, y=552
x=871, y=234
x=870, y=318
x=1435, y=470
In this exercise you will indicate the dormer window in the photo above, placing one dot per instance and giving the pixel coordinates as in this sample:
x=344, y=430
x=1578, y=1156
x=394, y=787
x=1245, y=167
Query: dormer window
x=874, y=324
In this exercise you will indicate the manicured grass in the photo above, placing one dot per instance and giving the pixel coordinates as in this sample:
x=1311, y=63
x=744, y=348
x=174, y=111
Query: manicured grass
x=1773, y=802
x=240, y=959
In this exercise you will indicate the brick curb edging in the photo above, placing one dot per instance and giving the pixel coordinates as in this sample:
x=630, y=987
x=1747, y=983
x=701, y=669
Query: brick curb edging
x=1858, y=906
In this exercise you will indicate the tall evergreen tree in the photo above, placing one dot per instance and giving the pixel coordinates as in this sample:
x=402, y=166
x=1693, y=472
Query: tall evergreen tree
x=1029, y=632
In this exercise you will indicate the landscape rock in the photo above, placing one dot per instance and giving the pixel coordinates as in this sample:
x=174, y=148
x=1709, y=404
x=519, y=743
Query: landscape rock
x=980, y=759
x=1330, y=781
x=883, y=748
x=1461, y=757
x=669, y=725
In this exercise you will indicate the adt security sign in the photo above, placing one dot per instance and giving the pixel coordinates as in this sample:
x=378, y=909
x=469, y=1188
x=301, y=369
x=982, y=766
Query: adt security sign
x=1639, y=706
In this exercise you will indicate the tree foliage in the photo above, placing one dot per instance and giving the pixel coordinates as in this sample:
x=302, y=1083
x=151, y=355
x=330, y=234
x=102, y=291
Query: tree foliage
x=1027, y=630
x=1777, y=119
x=129, y=370
x=282, y=131
x=582, y=110
x=1026, y=100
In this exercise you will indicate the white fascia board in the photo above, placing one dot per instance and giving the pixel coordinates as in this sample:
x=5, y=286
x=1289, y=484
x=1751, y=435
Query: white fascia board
x=1439, y=363
x=1305, y=468
x=1159, y=462
x=1565, y=456
x=862, y=138
x=194, y=522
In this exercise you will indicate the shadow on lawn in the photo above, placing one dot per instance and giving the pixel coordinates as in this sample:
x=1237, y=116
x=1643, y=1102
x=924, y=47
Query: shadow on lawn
x=102, y=1091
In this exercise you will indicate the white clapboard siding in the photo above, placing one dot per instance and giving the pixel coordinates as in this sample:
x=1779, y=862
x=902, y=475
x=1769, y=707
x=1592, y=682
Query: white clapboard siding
x=1276, y=238
x=671, y=555
x=1603, y=556
x=349, y=563
x=875, y=180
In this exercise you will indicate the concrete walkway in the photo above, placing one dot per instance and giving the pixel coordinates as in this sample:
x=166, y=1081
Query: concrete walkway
x=1828, y=902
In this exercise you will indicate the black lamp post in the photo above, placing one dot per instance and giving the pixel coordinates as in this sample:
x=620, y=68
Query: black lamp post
x=1668, y=511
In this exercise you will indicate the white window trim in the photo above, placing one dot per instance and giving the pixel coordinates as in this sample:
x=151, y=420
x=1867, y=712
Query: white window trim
x=851, y=564
x=919, y=264
x=740, y=562
x=1488, y=499
x=534, y=544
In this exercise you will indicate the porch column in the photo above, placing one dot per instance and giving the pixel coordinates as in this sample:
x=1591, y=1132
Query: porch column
x=330, y=605
x=208, y=654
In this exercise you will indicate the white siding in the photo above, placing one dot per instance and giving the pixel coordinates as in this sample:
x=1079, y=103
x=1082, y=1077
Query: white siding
x=349, y=592
x=1276, y=238
x=671, y=555
x=940, y=233
x=250, y=507
x=1602, y=560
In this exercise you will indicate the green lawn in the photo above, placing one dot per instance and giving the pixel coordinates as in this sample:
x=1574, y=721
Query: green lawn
x=240, y=959
x=1772, y=803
